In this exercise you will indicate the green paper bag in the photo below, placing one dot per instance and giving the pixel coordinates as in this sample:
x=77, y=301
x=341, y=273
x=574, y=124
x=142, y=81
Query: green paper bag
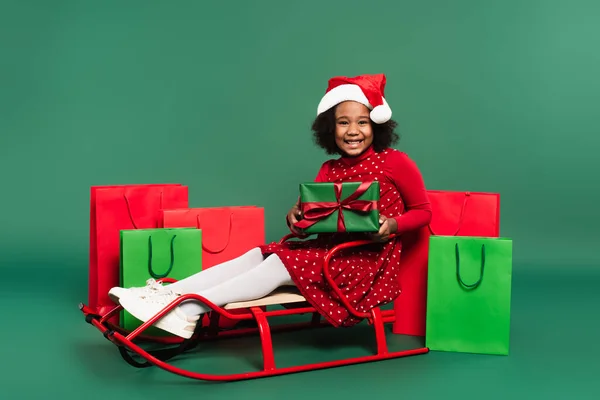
x=468, y=294
x=339, y=207
x=157, y=253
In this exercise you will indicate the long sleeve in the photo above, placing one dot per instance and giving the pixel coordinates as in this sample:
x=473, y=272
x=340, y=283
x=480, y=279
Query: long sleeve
x=408, y=179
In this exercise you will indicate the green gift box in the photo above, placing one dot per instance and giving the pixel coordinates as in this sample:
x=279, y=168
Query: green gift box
x=339, y=207
x=469, y=294
x=157, y=253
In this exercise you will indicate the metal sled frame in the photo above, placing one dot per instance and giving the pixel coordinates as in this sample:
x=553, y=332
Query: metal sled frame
x=258, y=315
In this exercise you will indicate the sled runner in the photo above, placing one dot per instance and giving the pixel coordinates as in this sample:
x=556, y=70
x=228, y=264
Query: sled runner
x=254, y=321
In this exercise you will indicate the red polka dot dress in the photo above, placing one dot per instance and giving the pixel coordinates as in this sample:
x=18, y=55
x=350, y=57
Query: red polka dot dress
x=367, y=275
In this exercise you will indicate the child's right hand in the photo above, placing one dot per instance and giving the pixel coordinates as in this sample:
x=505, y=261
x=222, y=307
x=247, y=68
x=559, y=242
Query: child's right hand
x=294, y=215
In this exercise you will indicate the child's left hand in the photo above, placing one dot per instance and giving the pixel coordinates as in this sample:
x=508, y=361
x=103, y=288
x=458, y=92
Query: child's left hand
x=387, y=227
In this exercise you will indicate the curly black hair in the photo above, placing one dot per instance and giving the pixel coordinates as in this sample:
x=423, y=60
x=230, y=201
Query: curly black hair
x=323, y=128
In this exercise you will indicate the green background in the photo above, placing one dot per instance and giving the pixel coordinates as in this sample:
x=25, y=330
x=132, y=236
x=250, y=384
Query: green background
x=490, y=96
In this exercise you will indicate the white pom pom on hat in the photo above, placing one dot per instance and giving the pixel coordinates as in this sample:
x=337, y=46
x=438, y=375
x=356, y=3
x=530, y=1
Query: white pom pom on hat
x=365, y=89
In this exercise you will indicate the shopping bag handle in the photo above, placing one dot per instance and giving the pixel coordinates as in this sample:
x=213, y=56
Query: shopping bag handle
x=130, y=213
x=476, y=284
x=198, y=225
x=151, y=269
x=460, y=218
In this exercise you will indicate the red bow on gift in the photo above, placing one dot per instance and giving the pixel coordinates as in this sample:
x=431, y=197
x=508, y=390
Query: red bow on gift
x=313, y=212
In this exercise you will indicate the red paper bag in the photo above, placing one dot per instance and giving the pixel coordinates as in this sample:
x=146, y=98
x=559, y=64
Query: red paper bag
x=464, y=213
x=227, y=233
x=112, y=209
x=453, y=214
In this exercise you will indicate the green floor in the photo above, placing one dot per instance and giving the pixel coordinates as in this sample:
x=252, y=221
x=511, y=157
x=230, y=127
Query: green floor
x=555, y=326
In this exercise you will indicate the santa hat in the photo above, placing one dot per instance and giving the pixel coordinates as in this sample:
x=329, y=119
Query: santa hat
x=365, y=89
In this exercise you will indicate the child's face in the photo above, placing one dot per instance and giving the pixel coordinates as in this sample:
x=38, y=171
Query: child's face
x=353, y=132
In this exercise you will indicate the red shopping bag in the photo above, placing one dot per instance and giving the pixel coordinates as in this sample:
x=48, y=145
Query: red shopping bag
x=112, y=209
x=227, y=233
x=453, y=214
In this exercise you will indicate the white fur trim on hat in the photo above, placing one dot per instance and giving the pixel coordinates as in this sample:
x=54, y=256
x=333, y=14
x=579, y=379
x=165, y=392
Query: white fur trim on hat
x=351, y=92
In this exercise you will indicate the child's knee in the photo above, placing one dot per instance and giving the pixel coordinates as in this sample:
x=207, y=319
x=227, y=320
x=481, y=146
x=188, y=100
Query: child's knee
x=254, y=255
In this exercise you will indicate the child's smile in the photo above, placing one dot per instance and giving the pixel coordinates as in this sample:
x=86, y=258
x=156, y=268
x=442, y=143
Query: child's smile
x=354, y=143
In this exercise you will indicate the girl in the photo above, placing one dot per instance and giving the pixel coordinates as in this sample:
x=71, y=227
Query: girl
x=353, y=121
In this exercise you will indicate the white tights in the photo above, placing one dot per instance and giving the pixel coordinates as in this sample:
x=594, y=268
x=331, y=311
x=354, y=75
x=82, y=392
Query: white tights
x=248, y=277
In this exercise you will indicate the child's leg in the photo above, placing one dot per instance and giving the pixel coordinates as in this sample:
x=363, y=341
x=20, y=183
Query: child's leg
x=199, y=281
x=252, y=284
x=218, y=274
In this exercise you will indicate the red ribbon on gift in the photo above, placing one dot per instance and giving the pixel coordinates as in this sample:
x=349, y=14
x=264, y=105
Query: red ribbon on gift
x=313, y=212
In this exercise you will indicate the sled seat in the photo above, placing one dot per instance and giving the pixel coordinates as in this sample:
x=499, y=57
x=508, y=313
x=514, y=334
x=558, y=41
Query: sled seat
x=282, y=295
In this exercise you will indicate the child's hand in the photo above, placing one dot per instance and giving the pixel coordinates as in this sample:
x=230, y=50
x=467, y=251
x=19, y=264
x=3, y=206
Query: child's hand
x=294, y=215
x=387, y=227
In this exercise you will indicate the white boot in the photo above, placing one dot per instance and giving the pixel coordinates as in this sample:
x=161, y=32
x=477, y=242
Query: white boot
x=146, y=306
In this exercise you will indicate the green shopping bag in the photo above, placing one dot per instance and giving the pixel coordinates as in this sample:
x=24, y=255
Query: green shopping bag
x=468, y=294
x=157, y=253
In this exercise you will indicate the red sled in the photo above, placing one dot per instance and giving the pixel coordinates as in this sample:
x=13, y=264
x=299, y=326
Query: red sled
x=129, y=343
